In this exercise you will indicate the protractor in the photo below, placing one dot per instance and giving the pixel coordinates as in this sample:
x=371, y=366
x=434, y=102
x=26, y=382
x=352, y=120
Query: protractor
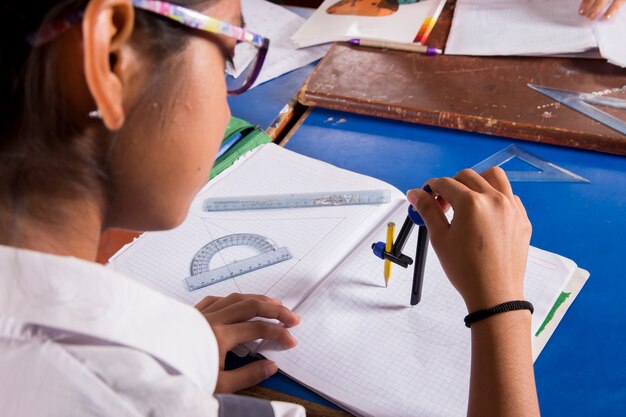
x=268, y=253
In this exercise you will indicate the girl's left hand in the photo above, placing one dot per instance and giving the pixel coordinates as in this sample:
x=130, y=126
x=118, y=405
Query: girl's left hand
x=230, y=317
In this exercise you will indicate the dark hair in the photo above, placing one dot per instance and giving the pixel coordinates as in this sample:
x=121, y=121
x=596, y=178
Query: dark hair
x=43, y=152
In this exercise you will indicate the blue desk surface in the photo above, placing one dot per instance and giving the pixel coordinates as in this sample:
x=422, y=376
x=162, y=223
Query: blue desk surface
x=582, y=370
x=263, y=103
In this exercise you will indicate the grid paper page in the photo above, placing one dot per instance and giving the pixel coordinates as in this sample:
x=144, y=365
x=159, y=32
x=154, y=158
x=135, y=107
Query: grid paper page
x=318, y=238
x=363, y=346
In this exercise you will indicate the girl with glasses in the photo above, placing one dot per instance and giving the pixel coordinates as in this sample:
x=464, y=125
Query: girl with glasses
x=111, y=113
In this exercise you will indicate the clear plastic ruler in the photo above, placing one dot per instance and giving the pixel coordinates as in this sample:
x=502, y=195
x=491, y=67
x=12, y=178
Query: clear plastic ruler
x=545, y=171
x=282, y=201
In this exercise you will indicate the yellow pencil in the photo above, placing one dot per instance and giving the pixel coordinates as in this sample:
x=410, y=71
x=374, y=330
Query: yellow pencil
x=391, y=226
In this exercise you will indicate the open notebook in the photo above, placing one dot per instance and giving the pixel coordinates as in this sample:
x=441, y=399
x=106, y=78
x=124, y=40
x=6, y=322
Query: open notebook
x=360, y=344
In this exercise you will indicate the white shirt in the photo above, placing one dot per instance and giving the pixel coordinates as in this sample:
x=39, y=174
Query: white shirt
x=77, y=339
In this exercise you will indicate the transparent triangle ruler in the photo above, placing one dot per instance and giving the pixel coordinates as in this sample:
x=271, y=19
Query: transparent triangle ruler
x=584, y=103
x=546, y=171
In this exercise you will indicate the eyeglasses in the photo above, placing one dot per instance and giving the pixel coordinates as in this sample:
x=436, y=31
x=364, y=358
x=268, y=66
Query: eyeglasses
x=239, y=81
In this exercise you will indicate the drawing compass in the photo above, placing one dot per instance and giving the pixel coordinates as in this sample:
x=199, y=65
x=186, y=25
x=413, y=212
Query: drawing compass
x=585, y=103
x=397, y=257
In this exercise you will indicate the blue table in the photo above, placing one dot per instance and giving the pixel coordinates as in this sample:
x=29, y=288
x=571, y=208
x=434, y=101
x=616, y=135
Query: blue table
x=582, y=370
x=262, y=104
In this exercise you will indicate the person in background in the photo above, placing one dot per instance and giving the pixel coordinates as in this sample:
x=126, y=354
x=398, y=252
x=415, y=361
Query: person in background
x=112, y=112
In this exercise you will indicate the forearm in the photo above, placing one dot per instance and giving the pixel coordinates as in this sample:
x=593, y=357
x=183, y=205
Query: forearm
x=502, y=379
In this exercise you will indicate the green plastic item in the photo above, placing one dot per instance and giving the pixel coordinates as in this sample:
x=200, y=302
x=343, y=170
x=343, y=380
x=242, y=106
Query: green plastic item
x=252, y=136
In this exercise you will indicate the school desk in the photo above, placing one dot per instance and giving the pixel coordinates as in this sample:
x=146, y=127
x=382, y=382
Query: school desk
x=582, y=370
x=479, y=94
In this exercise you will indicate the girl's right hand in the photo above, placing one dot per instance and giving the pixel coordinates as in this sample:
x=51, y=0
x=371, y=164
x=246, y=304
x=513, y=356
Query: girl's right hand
x=484, y=249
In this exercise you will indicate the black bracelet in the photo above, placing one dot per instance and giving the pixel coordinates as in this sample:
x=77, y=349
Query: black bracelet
x=500, y=308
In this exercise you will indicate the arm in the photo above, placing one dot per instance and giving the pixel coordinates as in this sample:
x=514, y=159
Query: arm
x=483, y=252
x=502, y=381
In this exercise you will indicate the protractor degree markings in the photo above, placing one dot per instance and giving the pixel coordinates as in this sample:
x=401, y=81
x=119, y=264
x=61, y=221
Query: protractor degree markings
x=267, y=254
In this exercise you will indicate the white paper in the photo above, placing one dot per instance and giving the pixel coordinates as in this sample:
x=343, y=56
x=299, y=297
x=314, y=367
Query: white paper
x=278, y=24
x=533, y=27
x=401, y=26
x=365, y=347
x=611, y=37
x=518, y=27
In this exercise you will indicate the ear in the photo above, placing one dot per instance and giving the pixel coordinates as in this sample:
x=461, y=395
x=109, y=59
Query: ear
x=107, y=26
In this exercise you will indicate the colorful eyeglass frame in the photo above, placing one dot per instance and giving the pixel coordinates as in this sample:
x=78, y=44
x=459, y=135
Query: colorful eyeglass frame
x=184, y=16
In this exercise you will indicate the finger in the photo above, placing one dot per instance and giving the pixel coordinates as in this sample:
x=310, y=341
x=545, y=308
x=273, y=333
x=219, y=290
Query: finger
x=520, y=206
x=253, y=307
x=253, y=330
x=473, y=180
x=596, y=9
x=585, y=6
x=522, y=210
x=615, y=6
x=445, y=206
x=206, y=302
x=450, y=189
x=245, y=377
x=496, y=177
x=430, y=210
x=235, y=298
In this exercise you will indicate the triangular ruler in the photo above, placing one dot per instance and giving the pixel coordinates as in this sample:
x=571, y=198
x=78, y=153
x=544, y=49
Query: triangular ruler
x=545, y=171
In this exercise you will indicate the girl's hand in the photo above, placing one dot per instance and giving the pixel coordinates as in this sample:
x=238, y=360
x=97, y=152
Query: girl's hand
x=593, y=8
x=230, y=317
x=484, y=249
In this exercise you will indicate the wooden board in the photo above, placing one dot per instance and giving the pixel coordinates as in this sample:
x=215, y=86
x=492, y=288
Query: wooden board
x=481, y=94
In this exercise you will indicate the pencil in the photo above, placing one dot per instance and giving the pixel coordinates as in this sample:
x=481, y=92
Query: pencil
x=429, y=23
x=409, y=47
x=391, y=226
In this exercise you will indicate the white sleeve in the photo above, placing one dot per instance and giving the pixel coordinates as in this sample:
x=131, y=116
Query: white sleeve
x=144, y=384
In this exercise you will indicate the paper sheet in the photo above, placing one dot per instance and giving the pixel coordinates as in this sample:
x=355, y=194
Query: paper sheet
x=611, y=37
x=278, y=24
x=401, y=26
x=318, y=238
x=533, y=27
x=363, y=346
x=518, y=27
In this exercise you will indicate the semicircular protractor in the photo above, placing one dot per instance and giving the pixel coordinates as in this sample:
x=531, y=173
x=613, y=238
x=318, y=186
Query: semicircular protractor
x=268, y=253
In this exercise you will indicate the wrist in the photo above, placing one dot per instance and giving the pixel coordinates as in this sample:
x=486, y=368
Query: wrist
x=484, y=300
x=512, y=321
x=513, y=305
